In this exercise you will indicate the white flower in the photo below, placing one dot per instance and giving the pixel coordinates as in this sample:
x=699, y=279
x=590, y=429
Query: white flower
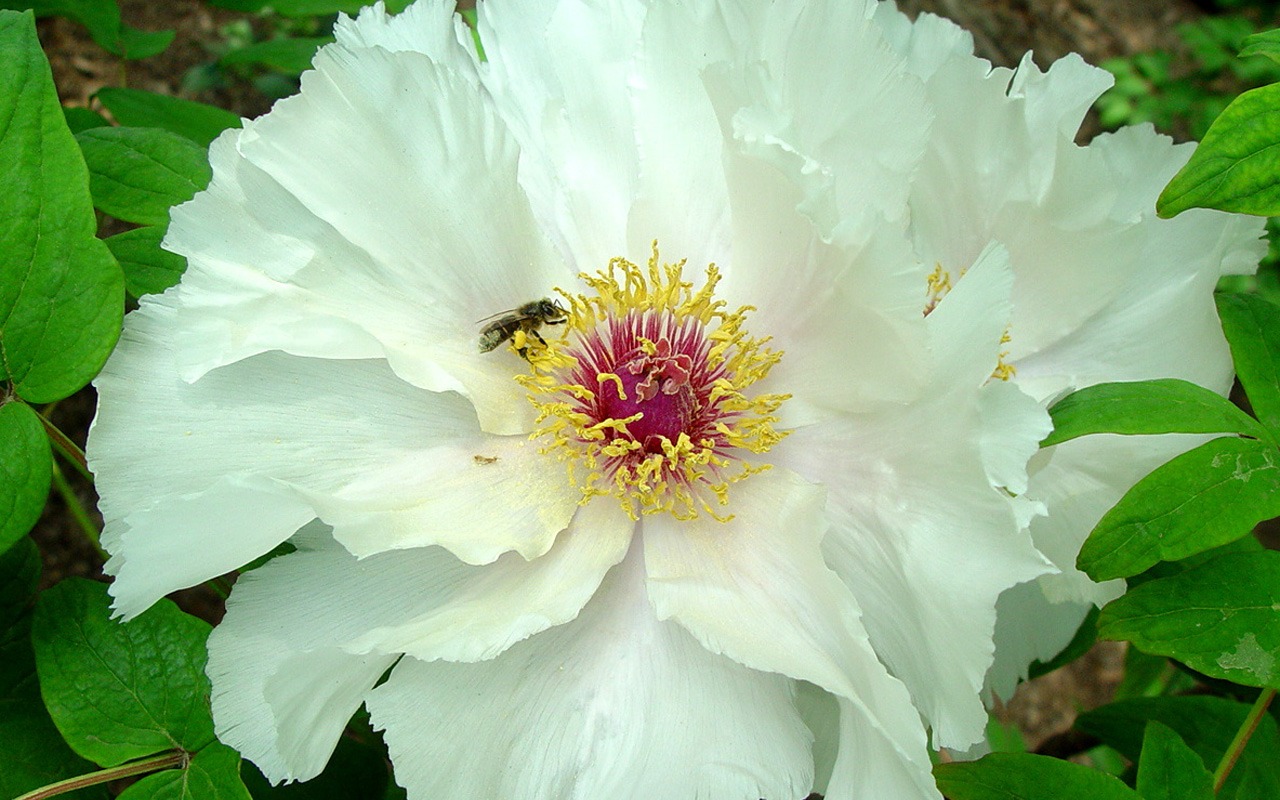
x=735, y=530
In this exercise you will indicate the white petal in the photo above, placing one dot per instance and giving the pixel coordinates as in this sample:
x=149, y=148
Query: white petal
x=821, y=713
x=852, y=139
x=250, y=452
x=757, y=590
x=477, y=495
x=283, y=690
x=681, y=196
x=428, y=27
x=511, y=599
x=341, y=214
x=966, y=328
x=559, y=74
x=847, y=316
x=164, y=548
x=920, y=534
x=926, y=43
x=307, y=635
x=283, y=710
x=614, y=704
x=1167, y=294
x=1031, y=193
x=1029, y=628
x=1013, y=424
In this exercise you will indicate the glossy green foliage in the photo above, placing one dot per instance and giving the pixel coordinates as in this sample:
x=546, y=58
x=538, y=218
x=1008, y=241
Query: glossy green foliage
x=1221, y=618
x=1024, y=776
x=1234, y=168
x=1169, y=770
x=61, y=292
x=140, y=109
x=1207, y=725
x=25, y=470
x=34, y=753
x=1147, y=407
x=148, y=267
x=120, y=691
x=137, y=174
x=1206, y=497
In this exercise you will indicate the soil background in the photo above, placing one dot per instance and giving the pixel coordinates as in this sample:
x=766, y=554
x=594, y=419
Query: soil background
x=1003, y=30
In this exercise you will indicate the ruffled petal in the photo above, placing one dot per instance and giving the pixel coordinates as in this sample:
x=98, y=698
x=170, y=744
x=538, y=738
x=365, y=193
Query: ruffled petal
x=285, y=711
x=614, y=704
x=756, y=589
x=917, y=515
x=252, y=451
x=681, y=198
x=1028, y=628
x=1167, y=290
x=330, y=229
x=511, y=599
x=429, y=27
x=477, y=495
x=847, y=316
x=851, y=140
x=560, y=73
x=307, y=635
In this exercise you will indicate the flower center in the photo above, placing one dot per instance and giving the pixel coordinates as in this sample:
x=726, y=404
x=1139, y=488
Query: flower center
x=645, y=399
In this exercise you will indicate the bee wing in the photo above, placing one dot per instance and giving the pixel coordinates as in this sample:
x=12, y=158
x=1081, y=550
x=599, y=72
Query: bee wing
x=496, y=317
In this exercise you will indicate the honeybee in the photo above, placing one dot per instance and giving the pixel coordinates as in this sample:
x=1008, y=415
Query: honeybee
x=528, y=317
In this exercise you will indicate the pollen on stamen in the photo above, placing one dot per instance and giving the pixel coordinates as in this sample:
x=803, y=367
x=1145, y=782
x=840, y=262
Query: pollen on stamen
x=646, y=398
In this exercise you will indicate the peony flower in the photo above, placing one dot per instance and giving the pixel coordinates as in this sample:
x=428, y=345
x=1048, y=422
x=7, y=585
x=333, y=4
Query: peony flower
x=720, y=496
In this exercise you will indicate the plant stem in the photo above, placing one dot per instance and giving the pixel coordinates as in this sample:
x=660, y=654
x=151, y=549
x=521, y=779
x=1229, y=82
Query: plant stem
x=1238, y=744
x=173, y=758
x=66, y=447
x=78, y=511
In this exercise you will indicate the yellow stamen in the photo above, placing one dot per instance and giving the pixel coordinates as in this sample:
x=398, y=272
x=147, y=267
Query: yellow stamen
x=687, y=477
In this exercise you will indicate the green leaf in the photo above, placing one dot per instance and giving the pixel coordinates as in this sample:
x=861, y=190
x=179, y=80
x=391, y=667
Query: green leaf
x=292, y=56
x=1004, y=737
x=61, y=293
x=1169, y=770
x=1023, y=776
x=214, y=774
x=26, y=467
x=137, y=174
x=1147, y=407
x=1266, y=44
x=19, y=576
x=1235, y=167
x=1252, y=326
x=1220, y=618
x=102, y=18
x=1144, y=675
x=1203, y=498
x=148, y=267
x=198, y=122
x=1206, y=724
x=34, y=753
x=82, y=119
x=120, y=691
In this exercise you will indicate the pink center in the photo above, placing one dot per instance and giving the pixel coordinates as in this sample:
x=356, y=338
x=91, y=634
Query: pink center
x=652, y=365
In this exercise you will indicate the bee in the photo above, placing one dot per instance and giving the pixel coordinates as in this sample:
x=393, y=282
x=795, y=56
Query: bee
x=528, y=317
